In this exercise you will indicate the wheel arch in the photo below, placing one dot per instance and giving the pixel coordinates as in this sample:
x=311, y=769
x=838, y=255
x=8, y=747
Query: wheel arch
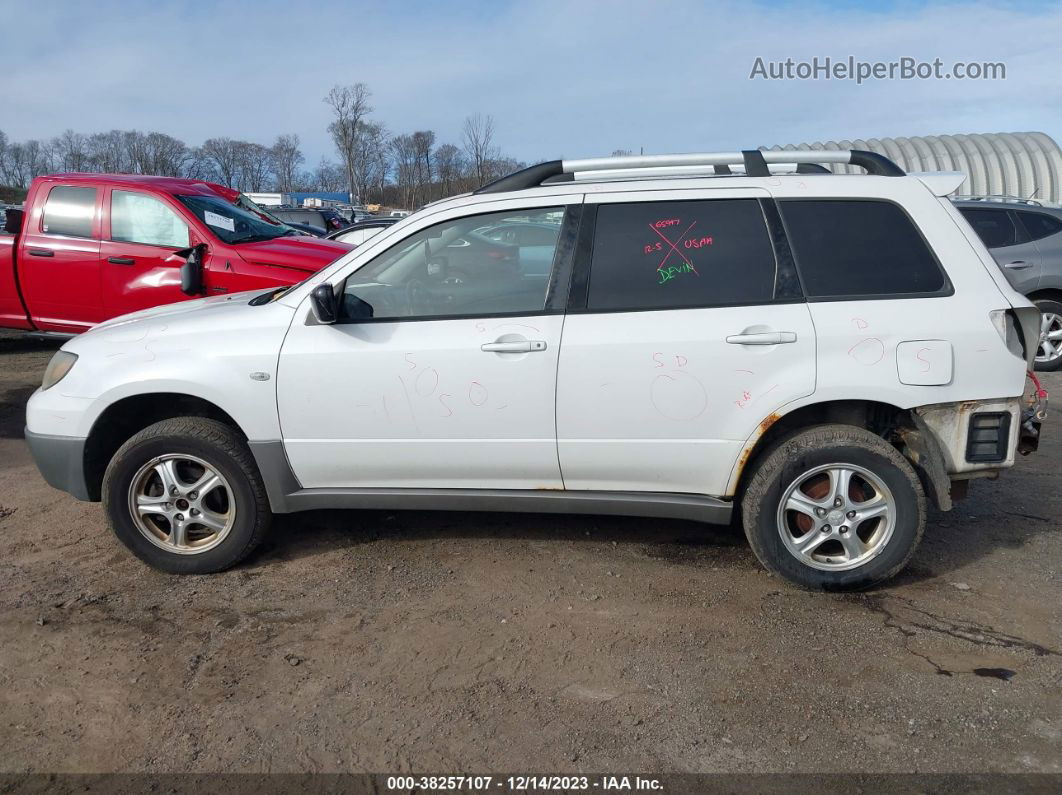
x=129, y=415
x=1046, y=293
x=904, y=429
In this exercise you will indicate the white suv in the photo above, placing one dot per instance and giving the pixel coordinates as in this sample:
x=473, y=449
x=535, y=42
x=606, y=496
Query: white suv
x=664, y=336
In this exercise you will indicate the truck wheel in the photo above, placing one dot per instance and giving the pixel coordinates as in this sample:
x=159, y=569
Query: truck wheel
x=835, y=508
x=1049, y=348
x=185, y=496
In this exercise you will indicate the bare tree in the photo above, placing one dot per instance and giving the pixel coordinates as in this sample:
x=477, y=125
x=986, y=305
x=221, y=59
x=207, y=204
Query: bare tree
x=3, y=158
x=70, y=151
x=350, y=104
x=404, y=152
x=371, y=156
x=287, y=157
x=479, y=144
x=423, y=141
x=224, y=155
x=255, y=163
x=449, y=166
x=107, y=152
x=164, y=155
x=328, y=176
x=25, y=161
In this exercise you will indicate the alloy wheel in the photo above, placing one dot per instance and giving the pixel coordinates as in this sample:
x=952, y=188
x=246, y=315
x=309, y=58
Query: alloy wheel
x=182, y=504
x=836, y=517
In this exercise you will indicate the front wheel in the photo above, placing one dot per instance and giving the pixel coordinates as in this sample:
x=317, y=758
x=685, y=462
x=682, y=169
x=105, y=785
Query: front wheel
x=834, y=507
x=184, y=495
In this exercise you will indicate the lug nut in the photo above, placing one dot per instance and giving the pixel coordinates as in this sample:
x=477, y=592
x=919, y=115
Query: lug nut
x=837, y=502
x=193, y=495
x=851, y=514
x=844, y=529
x=173, y=490
x=825, y=528
x=179, y=518
x=194, y=512
x=820, y=511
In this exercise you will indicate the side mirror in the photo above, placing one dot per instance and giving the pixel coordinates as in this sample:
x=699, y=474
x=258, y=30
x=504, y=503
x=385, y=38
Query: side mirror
x=192, y=270
x=13, y=221
x=324, y=304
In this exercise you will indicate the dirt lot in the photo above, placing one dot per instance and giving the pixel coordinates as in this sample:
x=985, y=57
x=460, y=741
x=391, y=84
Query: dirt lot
x=461, y=643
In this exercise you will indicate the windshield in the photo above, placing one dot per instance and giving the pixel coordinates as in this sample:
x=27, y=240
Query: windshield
x=231, y=223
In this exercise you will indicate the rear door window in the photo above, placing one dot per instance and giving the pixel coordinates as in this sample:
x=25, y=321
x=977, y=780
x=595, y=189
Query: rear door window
x=855, y=248
x=995, y=227
x=683, y=254
x=69, y=211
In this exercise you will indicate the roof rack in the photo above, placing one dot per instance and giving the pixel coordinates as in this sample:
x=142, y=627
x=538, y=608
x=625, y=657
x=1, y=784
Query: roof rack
x=999, y=198
x=756, y=163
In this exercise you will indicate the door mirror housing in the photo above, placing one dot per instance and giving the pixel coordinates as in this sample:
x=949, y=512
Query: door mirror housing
x=192, y=269
x=324, y=304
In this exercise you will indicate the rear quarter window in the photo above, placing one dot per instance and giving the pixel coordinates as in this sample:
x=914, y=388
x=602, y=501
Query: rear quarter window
x=1039, y=225
x=860, y=249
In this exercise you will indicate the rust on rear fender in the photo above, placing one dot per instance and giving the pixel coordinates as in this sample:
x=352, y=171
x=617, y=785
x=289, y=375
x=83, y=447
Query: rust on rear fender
x=750, y=445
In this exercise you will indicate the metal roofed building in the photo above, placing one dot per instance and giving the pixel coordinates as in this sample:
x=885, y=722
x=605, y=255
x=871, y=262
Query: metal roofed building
x=1023, y=164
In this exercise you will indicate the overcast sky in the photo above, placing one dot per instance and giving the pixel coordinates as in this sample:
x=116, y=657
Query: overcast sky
x=560, y=78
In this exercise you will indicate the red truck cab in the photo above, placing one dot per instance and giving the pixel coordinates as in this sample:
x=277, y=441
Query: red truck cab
x=94, y=246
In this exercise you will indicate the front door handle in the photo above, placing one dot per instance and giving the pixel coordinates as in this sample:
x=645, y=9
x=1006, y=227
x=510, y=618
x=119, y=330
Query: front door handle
x=518, y=346
x=762, y=338
x=1018, y=265
x=41, y=252
x=122, y=260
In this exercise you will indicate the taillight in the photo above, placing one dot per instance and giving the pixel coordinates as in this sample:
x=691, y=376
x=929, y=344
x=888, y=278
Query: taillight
x=1009, y=331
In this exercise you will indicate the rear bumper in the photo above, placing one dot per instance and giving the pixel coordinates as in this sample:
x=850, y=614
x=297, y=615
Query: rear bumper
x=61, y=461
x=970, y=450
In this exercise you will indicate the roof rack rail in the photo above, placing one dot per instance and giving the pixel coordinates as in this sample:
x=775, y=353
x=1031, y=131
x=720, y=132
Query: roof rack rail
x=1001, y=198
x=756, y=163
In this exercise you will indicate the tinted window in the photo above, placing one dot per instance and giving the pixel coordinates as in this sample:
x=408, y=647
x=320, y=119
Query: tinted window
x=859, y=248
x=994, y=227
x=137, y=218
x=1039, y=225
x=450, y=269
x=657, y=255
x=69, y=211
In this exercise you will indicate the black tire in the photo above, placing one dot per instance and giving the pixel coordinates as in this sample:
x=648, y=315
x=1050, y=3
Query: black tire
x=224, y=450
x=1045, y=306
x=802, y=452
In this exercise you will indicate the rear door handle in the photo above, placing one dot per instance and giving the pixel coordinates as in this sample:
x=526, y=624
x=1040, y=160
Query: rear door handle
x=122, y=260
x=1018, y=265
x=41, y=252
x=762, y=338
x=518, y=346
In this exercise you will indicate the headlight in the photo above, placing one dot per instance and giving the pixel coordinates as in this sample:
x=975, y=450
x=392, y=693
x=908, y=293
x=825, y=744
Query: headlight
x=57, y=368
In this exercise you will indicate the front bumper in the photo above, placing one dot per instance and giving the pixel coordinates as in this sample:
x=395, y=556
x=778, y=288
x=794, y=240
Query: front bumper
x=61, y=461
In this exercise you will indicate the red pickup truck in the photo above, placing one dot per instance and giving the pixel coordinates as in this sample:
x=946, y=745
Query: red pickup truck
x=89, y=247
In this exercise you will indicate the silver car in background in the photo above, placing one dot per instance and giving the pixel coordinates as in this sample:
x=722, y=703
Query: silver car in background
x=1025, y=237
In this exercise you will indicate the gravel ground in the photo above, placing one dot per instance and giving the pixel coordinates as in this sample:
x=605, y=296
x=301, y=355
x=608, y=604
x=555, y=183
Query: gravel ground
x=469, y=643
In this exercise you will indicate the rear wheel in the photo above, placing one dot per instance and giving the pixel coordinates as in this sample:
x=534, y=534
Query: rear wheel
x=184, y=495
x=1049, y=348
x=834, y=507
